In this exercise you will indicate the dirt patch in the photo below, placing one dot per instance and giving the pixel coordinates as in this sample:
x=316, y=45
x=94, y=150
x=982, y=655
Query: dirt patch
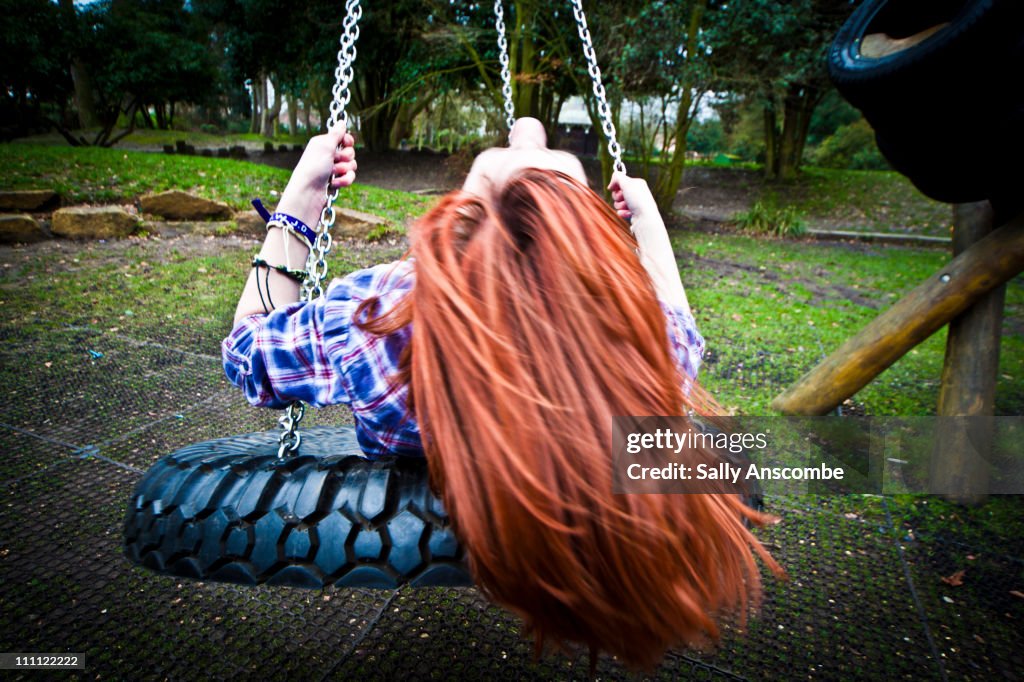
x=820, y=289
x=65, y=256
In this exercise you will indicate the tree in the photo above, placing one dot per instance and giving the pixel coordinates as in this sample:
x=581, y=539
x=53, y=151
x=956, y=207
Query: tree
x=264, y=43
x=653, y=53
x=127, y=56
x=36, y=82
x=851, y=146
x=540, y=77
x=773, y=52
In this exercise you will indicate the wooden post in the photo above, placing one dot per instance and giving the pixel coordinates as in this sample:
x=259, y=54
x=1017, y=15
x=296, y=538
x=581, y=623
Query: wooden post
x=958, y=466
x=987, y=264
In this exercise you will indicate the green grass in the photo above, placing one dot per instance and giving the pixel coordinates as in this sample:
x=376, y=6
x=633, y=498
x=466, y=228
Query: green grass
x=104, y=176
x=766, y=217
x=147, y=137
x=878, y=201
x=771, y=310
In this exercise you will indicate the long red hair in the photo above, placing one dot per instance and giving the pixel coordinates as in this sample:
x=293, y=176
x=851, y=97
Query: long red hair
x=534, y=324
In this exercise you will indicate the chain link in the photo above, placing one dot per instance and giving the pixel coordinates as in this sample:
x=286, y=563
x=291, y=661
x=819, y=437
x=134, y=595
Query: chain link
x=290, y=438
x=316, y=263
x=506, y=74
x=604, y=111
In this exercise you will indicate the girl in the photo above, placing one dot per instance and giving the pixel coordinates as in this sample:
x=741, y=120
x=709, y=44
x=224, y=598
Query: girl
x=524, y=318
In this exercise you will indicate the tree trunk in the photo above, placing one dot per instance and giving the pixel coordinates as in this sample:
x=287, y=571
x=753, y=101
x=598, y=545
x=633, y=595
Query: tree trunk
x=800, y=103
x=403, y=127
x=325, y=113
x=258, y=98
x=85, y=95
x=523, y=57
x=85, y=92
x=554, y=133
x=272, y=109
x=671, y=174
x=771, y=140
x=293, y=114
x=546, y=111
x=307, y=115
x=161, y=120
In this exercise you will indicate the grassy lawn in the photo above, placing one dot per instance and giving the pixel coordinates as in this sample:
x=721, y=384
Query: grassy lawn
x=145, y=137
x=881, y=201
x=780, y=306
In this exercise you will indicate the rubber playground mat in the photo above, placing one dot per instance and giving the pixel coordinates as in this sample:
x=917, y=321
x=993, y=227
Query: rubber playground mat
x=88, y=411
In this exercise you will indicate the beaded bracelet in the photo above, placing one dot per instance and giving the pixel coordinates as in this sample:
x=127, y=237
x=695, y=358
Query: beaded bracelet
x=298, y=276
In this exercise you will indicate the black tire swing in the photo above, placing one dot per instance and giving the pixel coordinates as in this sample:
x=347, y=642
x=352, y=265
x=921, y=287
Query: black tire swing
x=254, y=509
x=939, y=83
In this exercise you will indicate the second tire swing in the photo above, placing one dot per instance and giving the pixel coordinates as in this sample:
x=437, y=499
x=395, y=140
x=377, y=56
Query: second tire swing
x=940, y=82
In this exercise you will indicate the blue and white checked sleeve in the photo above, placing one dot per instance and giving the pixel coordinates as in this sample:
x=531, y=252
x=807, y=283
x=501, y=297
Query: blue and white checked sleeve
x=306, y=351
x=686, y=342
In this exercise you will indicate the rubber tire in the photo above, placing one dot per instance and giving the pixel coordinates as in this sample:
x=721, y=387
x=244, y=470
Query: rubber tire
x=228, y=510
x=951, y=153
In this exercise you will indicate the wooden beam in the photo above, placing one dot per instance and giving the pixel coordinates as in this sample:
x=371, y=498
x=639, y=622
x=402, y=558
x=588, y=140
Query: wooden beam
x=959, y=467
x=986, y=265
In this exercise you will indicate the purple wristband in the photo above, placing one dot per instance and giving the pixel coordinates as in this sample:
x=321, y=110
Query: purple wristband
x=301, y=229
x=261, y=209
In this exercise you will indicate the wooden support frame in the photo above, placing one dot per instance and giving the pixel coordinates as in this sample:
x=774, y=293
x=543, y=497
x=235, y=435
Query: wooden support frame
x=984, y=266
x=959, y=468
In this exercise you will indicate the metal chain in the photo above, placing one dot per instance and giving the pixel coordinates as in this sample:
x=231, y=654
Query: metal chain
x=506, y=74
x=290, y=439
x=603, y=109
x=316, y=263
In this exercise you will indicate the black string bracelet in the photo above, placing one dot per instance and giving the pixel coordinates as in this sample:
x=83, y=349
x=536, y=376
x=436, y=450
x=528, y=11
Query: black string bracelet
x=259, y=290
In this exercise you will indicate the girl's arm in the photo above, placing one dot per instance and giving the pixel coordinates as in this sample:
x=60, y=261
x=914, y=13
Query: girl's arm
x=633, y=199
x=328, y=158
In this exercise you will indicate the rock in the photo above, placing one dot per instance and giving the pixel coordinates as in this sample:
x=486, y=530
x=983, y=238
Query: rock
x=250, y=223
x=238, y=152
x=177, y=205
x=28, y=199
x=351, y=224
x=94, y=222
x=20, y=229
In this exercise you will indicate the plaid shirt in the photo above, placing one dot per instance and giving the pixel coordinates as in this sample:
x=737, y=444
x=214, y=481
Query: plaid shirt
x=312, y=352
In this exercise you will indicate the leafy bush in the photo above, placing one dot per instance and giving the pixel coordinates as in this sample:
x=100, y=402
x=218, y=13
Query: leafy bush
x=767, y=217
x=852, y=146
